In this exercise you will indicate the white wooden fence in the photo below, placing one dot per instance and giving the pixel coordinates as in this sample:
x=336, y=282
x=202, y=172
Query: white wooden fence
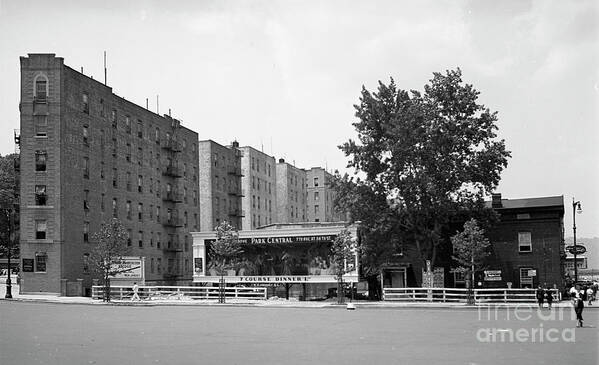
x=459, y=295
x=179, y=292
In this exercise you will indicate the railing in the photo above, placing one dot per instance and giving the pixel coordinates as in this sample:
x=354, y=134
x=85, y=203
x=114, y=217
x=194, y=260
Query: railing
x=236, y=212
x=171, y=170
x=172, y=196
x=179, y=292
x=459, y=295
x=171, y=144
x=173, y=222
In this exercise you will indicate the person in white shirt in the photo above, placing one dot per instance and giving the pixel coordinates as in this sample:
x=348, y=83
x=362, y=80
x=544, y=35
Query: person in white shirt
x=590, y=295
x=135, y=292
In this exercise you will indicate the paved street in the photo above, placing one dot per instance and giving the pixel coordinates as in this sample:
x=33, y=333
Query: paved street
x=45, y=333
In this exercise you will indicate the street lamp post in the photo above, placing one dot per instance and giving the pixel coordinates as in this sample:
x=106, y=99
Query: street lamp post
x=10, y=217
x=575, y=208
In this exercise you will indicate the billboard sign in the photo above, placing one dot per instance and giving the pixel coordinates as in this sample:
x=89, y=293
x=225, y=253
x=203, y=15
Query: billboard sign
x=128, y=268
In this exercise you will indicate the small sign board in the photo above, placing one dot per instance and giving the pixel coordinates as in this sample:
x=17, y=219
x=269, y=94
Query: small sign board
x=532, y=272
x=576, y=249
x=27, y=265
x=492, y=275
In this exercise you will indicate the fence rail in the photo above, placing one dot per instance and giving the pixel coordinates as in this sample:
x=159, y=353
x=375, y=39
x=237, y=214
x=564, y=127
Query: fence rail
x=458, y=295
x=178, y=292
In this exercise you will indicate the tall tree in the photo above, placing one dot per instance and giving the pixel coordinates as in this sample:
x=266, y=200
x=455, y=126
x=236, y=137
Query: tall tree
x=423, y=157
x=224, y=253
x=8, y=203
x=343, y=251
x=109, y=247
x=470, y=249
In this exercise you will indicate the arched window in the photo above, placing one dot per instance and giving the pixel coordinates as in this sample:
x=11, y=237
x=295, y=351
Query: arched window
x=40, y=88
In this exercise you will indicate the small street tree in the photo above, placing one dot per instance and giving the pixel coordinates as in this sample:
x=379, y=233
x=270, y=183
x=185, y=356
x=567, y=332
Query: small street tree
x=224, y=252
x=110, y=245
x=470, y=249
x=343, y=253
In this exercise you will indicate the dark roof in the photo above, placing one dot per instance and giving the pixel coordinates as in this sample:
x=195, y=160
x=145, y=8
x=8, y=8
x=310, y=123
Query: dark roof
x=546, y=201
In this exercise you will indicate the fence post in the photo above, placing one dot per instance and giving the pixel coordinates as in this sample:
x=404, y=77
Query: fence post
x=505, y=295
x=121, y=293
x=444, y=295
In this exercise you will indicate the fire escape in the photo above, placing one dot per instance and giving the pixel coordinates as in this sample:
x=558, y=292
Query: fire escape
x=235, y=212
x=172, y=198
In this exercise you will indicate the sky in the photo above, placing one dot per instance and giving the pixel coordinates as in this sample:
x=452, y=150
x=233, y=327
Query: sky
x=283, y=76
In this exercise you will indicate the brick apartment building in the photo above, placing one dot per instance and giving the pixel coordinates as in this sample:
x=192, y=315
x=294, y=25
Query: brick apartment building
x=248, y=188
x=259, y=186
x=88, y=155
x=291, y=193
x=220, y=185
x=320, y=197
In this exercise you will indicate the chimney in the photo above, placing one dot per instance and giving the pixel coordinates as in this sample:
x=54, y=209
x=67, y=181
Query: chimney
x=235, y=144
x=496, y=200
x=281, y=160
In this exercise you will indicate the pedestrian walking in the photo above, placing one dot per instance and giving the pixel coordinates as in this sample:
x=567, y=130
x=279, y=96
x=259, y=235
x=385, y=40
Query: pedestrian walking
x=540, y=296
x=590, y=295
x=578, y=304
x=135, y=292
x=549, y=297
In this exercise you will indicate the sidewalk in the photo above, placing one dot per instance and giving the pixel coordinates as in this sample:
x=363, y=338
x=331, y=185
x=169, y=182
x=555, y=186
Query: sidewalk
x=278, y=303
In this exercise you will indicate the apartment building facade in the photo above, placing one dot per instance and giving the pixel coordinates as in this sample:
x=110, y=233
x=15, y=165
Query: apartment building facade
x=88, y=155
x=220, y=185
x=259, y=183
x=291, y=193
x=320, y=197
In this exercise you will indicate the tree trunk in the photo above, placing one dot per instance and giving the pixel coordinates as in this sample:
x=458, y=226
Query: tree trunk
x=340, y=296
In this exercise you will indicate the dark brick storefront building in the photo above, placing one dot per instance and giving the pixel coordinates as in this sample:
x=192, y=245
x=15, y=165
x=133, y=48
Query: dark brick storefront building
x=527, y=242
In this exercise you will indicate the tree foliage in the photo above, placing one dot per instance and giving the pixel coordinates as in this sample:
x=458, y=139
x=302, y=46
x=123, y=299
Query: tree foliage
x=470, y=248
x=109, y=246
x=8, y=200
x=226, y=248
x=343, y=251
x=423, y=158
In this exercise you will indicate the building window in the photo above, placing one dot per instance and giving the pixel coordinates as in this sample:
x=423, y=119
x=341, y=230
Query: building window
x=115, y=178
x=113, y=119
x=316, y=209
x=102, y=170
x=41, y=125
x=140, y=156
x=41, y=89
x=459, y=277
x=140, y=239
x=316, y=196
x=114, y=208
x=85, y=167
x=86, y=199
x=85, y=99
x=86, y=263
x=40, y=160
x=140, y=210
x=524, y=242
x=128, y=155
x=128, y=182
x=128, y=209
x=315, y=181
x=140, y=181
x=86, y=135
x=40, y=261
x=128, y=124
x=102, y=206
x=85, y=231
x=157, y=136
x=152, y=265
x=140, y=126
x=159, y=265
x=40, y=195
x=158, y=239
x=40, y=229
x=158, y=214
x=129, y=237
x=526, y=279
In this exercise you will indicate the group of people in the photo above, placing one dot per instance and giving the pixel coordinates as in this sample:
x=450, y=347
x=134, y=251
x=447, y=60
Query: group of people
x=544, y=294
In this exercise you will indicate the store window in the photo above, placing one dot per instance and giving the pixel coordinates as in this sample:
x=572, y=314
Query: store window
x=526, y=277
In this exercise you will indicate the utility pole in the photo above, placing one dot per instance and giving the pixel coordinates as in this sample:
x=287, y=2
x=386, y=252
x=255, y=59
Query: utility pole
x=575, y=206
